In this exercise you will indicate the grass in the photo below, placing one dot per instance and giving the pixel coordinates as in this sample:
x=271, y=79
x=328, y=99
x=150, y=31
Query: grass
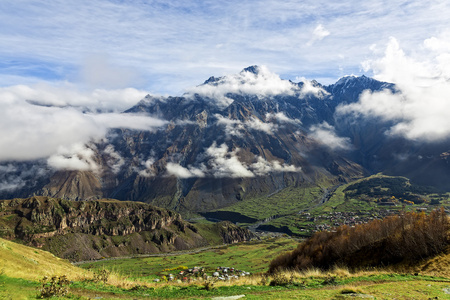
x=339, y=283
x=286, y=201
x=252, y=257
x=19, y=261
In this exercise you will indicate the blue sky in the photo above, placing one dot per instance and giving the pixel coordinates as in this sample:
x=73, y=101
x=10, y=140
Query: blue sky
x=165, y=47
x=86, y=61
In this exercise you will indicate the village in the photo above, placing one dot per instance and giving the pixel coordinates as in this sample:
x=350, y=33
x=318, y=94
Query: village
x=196, y=273
x=338, y=218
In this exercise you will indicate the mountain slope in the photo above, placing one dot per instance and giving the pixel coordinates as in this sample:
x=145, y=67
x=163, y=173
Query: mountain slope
x=20, y=261
x=234, y=138
x=85, y=230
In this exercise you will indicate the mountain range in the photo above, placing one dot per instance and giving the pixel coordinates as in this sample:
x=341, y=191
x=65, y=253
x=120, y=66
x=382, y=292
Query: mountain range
x=234, y=138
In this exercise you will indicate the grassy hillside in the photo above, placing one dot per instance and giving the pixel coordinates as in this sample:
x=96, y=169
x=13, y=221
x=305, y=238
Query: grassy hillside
x=20, y=261
x=360, y=201
x=250, y=256
x=334, y=284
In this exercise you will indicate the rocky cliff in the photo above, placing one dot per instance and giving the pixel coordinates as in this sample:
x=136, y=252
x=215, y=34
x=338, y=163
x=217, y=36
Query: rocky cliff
x=232, y=139
x=84, y=230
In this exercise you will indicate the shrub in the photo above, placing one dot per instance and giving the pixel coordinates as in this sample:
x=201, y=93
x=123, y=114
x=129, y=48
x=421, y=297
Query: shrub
x=409, y=236
x=102, y=276
x=279, y=279
x=53, y=286
x=209, y=285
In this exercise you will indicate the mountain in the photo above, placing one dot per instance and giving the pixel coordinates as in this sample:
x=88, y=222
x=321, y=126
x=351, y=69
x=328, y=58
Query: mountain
x=86, y=230
x=234, y=138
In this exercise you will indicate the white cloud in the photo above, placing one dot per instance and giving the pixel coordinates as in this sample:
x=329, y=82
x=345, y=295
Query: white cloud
x=182, y=172
x=77, y=157
x=326, y=134
x=113, y=159
x=37, y=131
x=281, y=118
x=235, y=127
x=318, y=34
x=232, y=127
x=421, y=110
x=67, y=94
x=172, y=45
x=16, y=175
x=263, y=167
x=149, y=168
x=256, y=124
x=311, y=88
x=262, y=84
x=222, y=163
x=130, y=121
x=97, y=71
x=226, y=164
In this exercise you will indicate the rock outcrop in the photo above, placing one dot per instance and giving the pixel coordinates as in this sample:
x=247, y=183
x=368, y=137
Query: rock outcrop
x=84, y=230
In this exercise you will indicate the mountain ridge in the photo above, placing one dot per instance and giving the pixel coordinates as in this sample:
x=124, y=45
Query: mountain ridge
x=233, y=138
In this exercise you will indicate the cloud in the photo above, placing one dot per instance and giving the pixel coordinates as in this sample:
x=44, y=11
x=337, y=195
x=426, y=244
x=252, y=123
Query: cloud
x=261, y=83
x=235, y=127
x=318, y=34
x=232, y=127
x=171, y=45
x=281, y=118
x=226, y=164
x=311, y=88
x=263, y=167
x=182, y=172
x=97, y=71
x=31, y=131
x=326, y=134
x=222, y=163
x=67, y=94
x=256, y=124
x=149, y=170
x=77, y=157
x=9, y=179
x=16, y=175
x=113, y=159
x=129, y=121
x=420, y=110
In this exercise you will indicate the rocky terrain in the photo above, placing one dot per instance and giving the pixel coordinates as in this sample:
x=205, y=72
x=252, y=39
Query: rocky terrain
x=234, y=138
x=87, y=230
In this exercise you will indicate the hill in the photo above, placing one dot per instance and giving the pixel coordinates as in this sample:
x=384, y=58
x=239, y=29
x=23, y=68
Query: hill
x=405, y=238
x=86, y=230
x=334, y=284
x=20, y=261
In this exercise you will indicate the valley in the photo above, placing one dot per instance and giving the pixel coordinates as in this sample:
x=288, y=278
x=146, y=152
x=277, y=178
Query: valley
x=218, y=198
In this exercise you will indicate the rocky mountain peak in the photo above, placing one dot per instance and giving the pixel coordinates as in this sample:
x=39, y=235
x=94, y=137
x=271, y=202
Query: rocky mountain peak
x=252, y=69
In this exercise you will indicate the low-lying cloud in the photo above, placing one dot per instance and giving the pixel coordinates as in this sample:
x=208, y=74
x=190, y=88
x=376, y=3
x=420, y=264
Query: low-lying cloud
x=236, y=127
x=52, y=123
x=421, y=108
x=326, y=135
x=222, y=163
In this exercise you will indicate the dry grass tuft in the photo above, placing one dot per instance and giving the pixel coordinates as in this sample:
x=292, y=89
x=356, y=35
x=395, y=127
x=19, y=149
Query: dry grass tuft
x=351, y=289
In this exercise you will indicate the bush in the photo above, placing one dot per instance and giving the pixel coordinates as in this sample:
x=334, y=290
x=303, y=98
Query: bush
x=409, y=236
x=209, y=285
x=102, y=276
x=281, y=280
x=53, y=286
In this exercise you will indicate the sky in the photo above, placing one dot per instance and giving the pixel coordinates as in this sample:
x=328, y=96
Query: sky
x=165, y=47
x=86, y=61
